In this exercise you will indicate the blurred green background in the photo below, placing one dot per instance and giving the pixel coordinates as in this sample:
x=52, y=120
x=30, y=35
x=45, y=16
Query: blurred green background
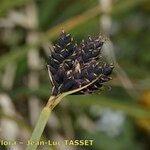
x=117, y=118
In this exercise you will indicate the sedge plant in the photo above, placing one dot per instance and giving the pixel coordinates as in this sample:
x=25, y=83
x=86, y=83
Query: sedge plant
x=73, y=69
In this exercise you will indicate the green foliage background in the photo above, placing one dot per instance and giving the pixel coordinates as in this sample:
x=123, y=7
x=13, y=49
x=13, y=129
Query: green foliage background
x=130, y=36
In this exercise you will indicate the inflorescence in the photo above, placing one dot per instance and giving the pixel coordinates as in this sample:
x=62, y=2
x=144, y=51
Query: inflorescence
x=72, y=66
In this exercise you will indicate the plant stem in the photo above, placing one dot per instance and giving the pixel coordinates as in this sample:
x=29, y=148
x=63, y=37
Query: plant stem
x=41, y=123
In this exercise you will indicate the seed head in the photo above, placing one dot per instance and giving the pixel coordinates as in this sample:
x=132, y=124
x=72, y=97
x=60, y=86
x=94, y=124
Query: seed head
x=73, y=65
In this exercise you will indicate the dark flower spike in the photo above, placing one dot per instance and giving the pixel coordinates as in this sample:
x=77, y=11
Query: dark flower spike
x=73, y=66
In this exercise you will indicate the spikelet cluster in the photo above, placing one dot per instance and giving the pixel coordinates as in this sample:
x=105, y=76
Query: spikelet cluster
x=73, y=65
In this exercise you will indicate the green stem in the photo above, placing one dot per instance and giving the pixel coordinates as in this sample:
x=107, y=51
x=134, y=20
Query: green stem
x=39, y=128
x=41, y=123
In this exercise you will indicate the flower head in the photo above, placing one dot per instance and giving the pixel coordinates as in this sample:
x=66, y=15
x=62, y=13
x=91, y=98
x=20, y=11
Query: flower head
x=72, y=66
